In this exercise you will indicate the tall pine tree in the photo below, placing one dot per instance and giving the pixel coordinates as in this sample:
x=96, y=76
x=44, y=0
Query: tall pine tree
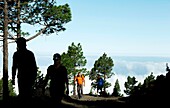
x=74, y=60
x=102, y=66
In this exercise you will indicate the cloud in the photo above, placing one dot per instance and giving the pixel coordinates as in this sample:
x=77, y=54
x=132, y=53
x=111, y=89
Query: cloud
x=139, y=67
x=130, y=67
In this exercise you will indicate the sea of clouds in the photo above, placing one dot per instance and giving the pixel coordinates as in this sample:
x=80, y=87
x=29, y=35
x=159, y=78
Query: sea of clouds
x=124, y=66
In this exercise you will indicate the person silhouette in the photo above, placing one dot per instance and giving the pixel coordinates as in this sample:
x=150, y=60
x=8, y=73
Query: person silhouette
x=58, y=76
x=24, y=64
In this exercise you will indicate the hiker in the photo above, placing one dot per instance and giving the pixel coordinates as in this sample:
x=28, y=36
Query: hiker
x=80, y=80
x=57, y=74
x=100, y=83
x=24, y=64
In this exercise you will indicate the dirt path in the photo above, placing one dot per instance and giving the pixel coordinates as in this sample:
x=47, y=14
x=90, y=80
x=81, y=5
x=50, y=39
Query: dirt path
x=88, y=101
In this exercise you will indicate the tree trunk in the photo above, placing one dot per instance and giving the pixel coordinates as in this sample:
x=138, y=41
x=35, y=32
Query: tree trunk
x=5, y=53
x=18, y=20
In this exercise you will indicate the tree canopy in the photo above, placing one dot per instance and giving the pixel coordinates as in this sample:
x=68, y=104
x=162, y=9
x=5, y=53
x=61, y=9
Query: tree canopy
x=116, y=89
x=74, y=60
x=102, y=66
x=46, y=15
x=130, y=85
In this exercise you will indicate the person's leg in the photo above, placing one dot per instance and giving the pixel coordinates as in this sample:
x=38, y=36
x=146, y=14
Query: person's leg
x=82, y=89
x=101, y=91
x=97, y=90
x=78, y=91
x=56, y=96
x=25, y=91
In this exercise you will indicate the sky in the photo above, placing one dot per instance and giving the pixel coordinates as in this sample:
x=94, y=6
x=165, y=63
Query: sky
x=114, y=27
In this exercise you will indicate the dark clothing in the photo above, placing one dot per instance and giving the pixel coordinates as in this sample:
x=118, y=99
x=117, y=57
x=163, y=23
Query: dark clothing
x=58, y=77
x=99, y=88
x=25, y=65
x=80, y=90
x=100, y=83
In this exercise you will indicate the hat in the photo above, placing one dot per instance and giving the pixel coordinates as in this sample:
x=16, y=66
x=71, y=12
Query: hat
x=56, y=56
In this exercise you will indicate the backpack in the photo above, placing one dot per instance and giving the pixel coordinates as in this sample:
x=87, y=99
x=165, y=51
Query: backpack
x=100, y=82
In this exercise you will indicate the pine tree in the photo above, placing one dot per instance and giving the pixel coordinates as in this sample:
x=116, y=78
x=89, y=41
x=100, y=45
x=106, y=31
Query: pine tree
x=74, y=60
x=104, y=67
x=130, y=85
x=11, y=88
x=116, y=89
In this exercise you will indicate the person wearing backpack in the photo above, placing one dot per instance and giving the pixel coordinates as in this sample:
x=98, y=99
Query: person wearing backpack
x=58, y=77
x=100, y=83
x=80, y=80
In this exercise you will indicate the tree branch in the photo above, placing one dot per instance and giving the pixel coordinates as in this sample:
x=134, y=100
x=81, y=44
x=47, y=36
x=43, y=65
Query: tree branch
x=36, y=35
x=32, y=37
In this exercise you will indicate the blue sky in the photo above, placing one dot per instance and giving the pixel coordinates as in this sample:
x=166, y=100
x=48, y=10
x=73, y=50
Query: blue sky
x=137, y=27
x=116, y=27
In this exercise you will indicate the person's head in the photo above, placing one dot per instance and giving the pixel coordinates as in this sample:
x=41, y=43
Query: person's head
x=21, y=43
x=79, y=74
x=98, y=75
x=57, y=58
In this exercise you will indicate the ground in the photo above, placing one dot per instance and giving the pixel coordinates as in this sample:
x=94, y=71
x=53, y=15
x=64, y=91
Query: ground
x=86, y=101
x=89, y=101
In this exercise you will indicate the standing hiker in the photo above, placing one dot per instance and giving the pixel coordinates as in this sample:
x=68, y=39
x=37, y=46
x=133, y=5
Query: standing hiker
x=80, y=81
x=24, y=64
x=57, y=74
x=100, y=83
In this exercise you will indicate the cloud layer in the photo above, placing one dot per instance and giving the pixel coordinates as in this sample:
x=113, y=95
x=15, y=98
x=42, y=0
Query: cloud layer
x=139, y=67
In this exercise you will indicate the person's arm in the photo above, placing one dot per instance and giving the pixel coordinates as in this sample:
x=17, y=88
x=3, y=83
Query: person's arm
x=67, y=83
x=84, y=81
x=14, y=68
x=45, y=83
x=46, y=79
x=35, y=68
x=75, y=79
